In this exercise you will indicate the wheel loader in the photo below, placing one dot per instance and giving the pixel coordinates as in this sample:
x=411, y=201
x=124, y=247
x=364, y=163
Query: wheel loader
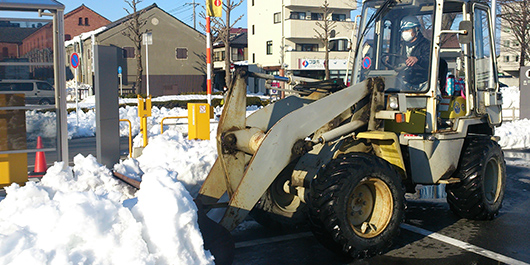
x=341, y=158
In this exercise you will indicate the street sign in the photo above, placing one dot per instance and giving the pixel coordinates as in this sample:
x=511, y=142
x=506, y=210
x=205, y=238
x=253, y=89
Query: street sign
x=119, y=69
x=147, y=38
x=74, y=60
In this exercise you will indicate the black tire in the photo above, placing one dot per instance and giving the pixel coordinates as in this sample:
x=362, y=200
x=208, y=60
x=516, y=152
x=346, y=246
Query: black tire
x=353, y=183
x=482, y=174
x=44, y=102
x=277, y=209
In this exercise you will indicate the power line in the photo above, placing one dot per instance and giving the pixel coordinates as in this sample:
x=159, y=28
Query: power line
x=194, y=15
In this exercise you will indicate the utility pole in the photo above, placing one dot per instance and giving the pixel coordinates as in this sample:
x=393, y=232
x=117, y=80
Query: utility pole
x=194, y=17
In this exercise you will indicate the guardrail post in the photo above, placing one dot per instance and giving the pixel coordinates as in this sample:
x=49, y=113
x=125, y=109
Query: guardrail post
x=144, y=111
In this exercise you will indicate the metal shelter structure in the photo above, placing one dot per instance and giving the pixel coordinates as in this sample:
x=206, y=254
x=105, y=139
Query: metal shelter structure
x=56, y=59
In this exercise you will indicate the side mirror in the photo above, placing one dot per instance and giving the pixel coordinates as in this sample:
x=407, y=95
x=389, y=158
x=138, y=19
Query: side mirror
x=466, y=26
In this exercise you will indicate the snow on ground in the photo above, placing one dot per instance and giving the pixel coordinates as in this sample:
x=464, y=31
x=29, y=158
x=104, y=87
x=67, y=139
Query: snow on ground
x=83, y=215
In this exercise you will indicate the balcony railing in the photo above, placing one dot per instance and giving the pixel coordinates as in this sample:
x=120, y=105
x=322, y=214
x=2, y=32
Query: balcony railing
x=318, y=3
x=302, y=28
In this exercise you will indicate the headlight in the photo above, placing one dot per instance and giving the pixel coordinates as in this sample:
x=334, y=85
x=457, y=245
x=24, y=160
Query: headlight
x=393, y=102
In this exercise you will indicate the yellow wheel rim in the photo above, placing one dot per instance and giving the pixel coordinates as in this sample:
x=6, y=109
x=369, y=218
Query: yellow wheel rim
x=370, y=207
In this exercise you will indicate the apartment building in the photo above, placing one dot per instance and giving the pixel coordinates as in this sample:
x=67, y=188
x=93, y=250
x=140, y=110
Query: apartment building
x=509, y=61
x=283, y=32
x=510, y=51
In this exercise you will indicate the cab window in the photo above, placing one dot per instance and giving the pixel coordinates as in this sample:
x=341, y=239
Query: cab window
x=483, y=51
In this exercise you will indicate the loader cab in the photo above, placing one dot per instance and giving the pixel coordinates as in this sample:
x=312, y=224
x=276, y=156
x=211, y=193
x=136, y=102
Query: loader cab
x=457, y=77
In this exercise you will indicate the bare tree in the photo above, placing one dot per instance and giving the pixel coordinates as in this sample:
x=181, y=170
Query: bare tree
x=134, y=32
x=327, y=26
x=516, y=14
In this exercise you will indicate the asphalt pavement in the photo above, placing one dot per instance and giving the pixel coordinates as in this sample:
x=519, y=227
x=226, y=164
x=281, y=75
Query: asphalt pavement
x=431, y=234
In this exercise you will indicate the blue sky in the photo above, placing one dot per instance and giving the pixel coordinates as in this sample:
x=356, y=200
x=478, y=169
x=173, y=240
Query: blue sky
x=113, y=9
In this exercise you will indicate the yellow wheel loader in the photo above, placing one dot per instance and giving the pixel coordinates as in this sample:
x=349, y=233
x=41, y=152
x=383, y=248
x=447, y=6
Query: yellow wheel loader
x=341, y=158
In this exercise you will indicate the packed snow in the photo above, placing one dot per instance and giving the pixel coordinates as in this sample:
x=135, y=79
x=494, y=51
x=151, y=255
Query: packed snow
x=82, y=215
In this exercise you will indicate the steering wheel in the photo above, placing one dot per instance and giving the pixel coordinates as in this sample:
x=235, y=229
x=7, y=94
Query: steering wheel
x=399, y=62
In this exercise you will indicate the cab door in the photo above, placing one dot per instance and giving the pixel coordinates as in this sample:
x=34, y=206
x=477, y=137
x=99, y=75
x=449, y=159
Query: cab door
x=489, y=99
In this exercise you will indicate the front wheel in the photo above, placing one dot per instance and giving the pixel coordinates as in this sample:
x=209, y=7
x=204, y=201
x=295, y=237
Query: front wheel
x=356, y=205
x=482, y=174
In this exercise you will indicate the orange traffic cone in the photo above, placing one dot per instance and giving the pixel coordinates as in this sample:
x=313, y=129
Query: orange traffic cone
x=40, y=161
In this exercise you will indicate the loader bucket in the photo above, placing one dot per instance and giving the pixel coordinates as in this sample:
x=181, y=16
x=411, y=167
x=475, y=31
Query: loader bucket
x=217, y=239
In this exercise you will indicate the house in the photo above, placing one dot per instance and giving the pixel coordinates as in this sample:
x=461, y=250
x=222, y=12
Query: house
x=282, y=35
x=238, y=55
x=12, y=36
x=31, y=40
x=177, y=54
x=81, y=19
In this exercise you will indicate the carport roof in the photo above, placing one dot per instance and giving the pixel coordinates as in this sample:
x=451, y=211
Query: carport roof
x=30, y=5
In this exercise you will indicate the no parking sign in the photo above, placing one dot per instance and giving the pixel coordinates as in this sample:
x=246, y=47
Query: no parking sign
x=74, y=60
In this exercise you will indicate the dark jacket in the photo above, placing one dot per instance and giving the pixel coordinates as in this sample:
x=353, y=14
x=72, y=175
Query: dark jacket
x=419, y=72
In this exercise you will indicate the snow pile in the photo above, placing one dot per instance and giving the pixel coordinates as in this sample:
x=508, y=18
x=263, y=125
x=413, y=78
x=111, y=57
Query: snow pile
x=514, y=135
x=510, y=97
x=83, y=215
x=175, y=153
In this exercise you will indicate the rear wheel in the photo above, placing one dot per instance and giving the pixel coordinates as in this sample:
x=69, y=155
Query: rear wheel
x=356, y=205
x=482, y=174
x=44, y=102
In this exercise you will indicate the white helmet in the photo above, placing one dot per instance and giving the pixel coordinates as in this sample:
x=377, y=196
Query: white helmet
x=409, y=22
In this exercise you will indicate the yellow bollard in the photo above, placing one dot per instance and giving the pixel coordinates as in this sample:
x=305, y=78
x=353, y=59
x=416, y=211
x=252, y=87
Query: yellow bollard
x=144, y=111
x=199, y=121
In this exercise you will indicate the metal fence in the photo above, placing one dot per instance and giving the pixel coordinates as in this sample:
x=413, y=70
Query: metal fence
x=510, y=114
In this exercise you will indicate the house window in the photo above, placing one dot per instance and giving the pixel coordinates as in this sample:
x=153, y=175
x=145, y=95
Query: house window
x=507, y=43
x=297, y=15
x=219, y=56
x=277, y=17
x=338, y=17
x=238, y=54
x=253, y=30
x=517, y=58
x=506, y=58
x=269, y=47
x=252, y=2
x=305, y=47
x=67, y=37
x=86, y=21
x=181, y=53
x=80, y=21
x=316, y=16
x=340, y=45
x=253, y=58
x=128, y=52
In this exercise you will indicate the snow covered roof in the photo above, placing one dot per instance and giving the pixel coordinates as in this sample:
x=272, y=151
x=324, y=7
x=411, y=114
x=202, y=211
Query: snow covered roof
x=84, y=36
x=30, y=5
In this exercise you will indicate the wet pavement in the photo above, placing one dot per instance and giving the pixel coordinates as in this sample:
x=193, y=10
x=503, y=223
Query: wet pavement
x=504, y=240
